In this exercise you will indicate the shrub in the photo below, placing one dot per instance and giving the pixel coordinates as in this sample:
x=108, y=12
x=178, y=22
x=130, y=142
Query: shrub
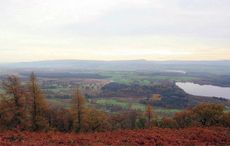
x=226, y=120
x=168, y=123
x=208, y=114
x=184, y=118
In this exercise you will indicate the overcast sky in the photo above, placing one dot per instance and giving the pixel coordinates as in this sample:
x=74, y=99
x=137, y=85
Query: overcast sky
x=114, y=29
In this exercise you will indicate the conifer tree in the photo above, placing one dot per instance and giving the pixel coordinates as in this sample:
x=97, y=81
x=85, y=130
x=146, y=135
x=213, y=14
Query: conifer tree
x=15, y=97
x=78, y=107
x=39, y=105
x=149, y=115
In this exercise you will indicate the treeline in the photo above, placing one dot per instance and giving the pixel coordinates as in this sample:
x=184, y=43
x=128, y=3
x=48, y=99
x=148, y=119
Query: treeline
x=203, y=115
x=24, y=107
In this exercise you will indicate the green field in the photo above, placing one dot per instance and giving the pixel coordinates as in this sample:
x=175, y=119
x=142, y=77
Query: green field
x=126, y=104
x=143, y=79
x=59, y=102
x=121, y=103
x=103, y=104
x=1, y=91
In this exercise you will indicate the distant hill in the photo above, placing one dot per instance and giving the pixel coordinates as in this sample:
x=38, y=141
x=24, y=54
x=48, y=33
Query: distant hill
x=219, y=67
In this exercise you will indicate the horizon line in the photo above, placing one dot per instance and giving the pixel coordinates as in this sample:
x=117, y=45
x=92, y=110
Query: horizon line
x=214, y=60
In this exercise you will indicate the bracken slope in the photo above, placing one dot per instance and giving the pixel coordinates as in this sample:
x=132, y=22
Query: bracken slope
x=151, y=137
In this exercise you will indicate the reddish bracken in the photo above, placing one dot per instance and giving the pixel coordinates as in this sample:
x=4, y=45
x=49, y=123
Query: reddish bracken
x=149, y=137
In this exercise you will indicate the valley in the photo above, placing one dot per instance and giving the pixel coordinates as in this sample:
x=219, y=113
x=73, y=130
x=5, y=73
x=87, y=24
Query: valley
x=114, y=90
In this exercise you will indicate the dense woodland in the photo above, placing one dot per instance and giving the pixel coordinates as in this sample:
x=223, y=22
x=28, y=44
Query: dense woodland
x=24, y=107
x=171, y=95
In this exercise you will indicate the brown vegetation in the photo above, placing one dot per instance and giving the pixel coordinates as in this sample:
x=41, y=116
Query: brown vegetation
x=150, y=137
x=23, y=107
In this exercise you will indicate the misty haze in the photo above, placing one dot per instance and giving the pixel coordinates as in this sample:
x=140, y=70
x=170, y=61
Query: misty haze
x=114, y=72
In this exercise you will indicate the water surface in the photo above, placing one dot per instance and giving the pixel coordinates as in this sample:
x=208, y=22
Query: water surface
x=204, y=90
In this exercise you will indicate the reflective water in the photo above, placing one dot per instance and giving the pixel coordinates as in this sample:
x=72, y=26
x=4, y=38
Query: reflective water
x=204, y=90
